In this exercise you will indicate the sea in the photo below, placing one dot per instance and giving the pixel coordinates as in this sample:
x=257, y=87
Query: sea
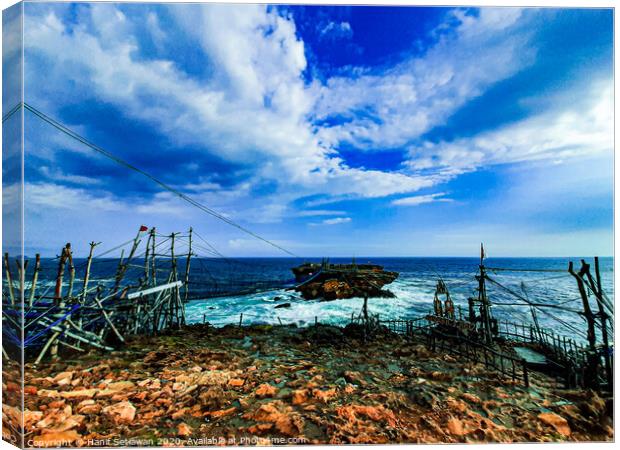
x=229, y=291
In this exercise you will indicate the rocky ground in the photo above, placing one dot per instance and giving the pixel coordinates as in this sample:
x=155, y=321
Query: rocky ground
x=283, y=385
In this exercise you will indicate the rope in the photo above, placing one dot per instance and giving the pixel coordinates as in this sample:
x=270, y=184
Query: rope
x=167, y=187
x=12, y=111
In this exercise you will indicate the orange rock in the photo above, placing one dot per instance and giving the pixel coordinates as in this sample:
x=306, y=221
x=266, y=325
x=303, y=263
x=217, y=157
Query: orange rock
x=184, y=430
x=374, y=413
x=79, y=393
x=90, y=409
x=12, y=387
x=48, y=393
x=56, y=439
x=261, y=427
x=63, y=378
x=57, y=404
x=222, y=413
x=30, y=390
x=266, y=390
x=285, y=420
x=300, y=396
x=471, y=397
x=123, y=412
x=324, y=396
x=559, y=423
x=455, y=426
x=180, y=413
x=236, y=382
x=31, y=417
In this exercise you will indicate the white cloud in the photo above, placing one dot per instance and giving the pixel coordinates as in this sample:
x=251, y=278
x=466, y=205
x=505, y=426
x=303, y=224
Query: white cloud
x=55, y=196
x=421, y=199
x=390, y=108
x=332, y=221
x=572, y=127
x=254, y=108
x=335, y=30
x=321, y=212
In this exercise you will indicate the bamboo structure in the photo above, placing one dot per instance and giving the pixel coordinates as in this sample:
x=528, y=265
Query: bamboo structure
x=79, y=316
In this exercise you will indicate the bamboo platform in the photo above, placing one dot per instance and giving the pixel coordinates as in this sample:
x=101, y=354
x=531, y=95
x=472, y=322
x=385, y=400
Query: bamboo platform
x=95, y=314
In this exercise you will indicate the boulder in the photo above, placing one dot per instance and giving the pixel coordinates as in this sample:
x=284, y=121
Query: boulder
x=122, y=412
x=559, y=423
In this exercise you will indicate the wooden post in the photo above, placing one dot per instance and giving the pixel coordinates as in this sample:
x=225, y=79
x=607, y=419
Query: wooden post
x=187, y=264
x=147, y=261
x=586, y=304
x=9, y=278
x=592, y=362
x=153, y=264
x=71, y=274
x=598, y=293
x=526, y=378
x=35, y=277
x=58, y=298
x=240, y=319
x=122, y=266
x=365, y=311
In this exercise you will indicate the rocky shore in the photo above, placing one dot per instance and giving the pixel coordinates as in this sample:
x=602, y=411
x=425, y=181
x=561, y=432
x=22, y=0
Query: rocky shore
x=284, y=385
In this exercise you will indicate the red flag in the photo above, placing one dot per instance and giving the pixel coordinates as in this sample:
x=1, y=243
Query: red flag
x=144, y=228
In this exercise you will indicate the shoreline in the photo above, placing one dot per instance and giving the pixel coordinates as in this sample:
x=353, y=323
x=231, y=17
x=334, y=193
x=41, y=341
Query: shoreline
x=286, y=385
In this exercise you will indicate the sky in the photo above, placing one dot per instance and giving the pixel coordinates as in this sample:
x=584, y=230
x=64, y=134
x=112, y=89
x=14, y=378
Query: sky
x=331, y=131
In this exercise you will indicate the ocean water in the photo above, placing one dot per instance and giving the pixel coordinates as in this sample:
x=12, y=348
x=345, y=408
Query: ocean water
x=222, y=289
x=541, y=280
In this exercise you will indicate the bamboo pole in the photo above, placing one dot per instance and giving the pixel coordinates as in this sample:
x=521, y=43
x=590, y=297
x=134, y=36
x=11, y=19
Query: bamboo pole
x=71, y=274
x=153, y=262
x=108, y=320
x=601, y=310
x=591, y=361
x=122, y=266
x=9, y=279
x=35, y=277
x=58, y=298
x=187, y=267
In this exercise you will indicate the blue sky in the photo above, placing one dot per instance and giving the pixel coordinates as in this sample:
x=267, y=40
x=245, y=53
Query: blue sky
x=332, y=131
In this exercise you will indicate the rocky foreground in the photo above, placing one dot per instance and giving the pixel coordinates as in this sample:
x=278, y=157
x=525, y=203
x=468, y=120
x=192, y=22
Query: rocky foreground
x=283, y=385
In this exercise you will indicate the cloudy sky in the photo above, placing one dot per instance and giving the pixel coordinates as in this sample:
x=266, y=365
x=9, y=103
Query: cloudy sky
x=332, y=131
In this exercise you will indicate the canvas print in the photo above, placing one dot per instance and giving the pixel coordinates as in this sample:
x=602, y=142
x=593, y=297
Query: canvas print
x=260, y=224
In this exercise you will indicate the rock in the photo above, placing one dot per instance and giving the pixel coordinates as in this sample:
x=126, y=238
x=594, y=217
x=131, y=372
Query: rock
x=123, y=412
x=471, y=398
x=184, y=430
x=324, y=396
x=266, y=390
x=48, y=393
x=89, y=393
x=455, y=426
x=222, y=413
x=90, y=409
x=299, y=396
x=31, y=417
x=559, y=423
x=122, y=385
x=353, y=413
x=285, y=420
x=32, y=390
x=236, y=382
x=283, y=305
x=63, y=378
x=56, y=439
x=354, y=378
